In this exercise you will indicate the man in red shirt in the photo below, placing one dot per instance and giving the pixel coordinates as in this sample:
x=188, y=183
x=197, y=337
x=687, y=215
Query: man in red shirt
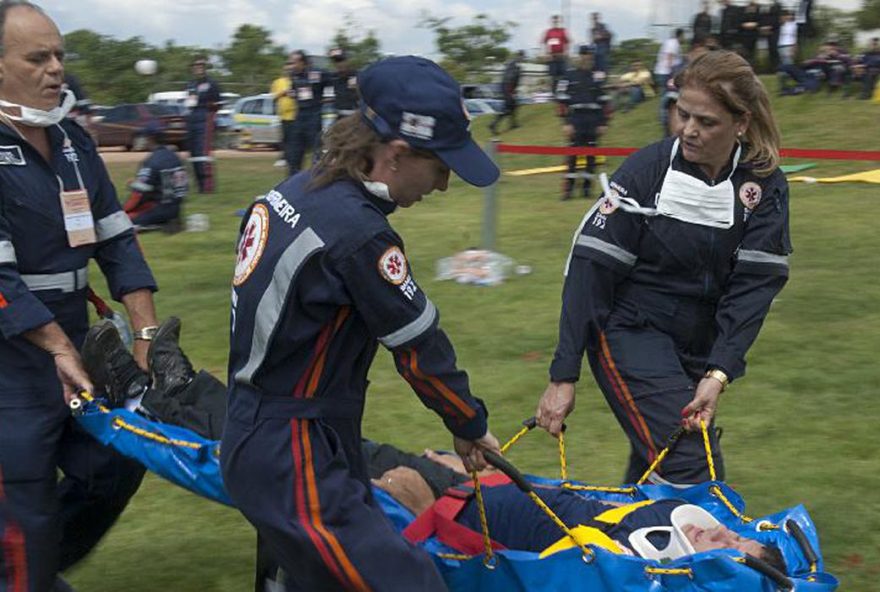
x=555, y=44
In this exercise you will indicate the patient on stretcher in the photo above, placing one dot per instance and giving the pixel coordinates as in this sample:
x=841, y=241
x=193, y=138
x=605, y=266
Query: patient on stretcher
x=666, y=529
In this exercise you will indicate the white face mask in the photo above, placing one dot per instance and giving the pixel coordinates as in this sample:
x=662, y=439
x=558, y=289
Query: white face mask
x=688, y=199
x=378, y=189
x=37, y=117
x=685, y=198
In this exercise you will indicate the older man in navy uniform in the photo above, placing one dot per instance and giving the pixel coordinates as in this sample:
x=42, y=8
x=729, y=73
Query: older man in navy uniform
x=582, y=96
x=58, y=210
x=321, y=280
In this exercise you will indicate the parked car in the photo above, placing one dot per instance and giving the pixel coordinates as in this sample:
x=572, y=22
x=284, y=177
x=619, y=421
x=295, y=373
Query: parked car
x=120, y=125
x=477, y=107
x=256, y=122
x=481, y=91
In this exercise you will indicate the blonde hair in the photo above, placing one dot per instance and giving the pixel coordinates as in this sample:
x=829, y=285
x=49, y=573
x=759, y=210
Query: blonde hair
x=729, y=79
x=348, y=151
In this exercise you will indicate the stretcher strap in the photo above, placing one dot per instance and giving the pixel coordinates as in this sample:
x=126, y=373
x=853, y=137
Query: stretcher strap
x=439, y=521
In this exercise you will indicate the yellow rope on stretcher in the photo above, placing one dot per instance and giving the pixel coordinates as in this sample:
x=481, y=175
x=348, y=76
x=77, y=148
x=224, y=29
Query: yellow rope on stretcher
x=602, y=488
x=653, y=466
x=588, y=553
x=669, y=571
x=563, y=466
x=120, y=423
x=515, y=438
x=708, y=450
x=484, y=522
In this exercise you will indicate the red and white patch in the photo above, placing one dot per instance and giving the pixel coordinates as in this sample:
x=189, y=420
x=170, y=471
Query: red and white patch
x=252, y=243
x=608, y=206
x=392, y=266
x=750, y=194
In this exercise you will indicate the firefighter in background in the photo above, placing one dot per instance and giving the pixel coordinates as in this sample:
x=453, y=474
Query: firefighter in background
x=161, y=184
x=203, y=98
x=582, y=102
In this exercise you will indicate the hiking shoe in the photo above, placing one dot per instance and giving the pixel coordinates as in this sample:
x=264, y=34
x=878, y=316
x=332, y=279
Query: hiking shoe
x=170, y=368
x=111, y=366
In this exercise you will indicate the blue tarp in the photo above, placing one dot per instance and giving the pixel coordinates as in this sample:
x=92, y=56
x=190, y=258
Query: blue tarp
x=192, y=462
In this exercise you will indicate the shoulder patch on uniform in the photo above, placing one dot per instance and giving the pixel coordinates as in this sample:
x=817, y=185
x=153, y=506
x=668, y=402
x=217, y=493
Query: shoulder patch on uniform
x=252, y=243
x=750, y=194
x=11, y=155
x=608, y=206
x=393, y=266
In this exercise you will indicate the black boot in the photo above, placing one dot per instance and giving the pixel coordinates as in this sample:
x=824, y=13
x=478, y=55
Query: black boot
x=170, y=368
x=111, y=366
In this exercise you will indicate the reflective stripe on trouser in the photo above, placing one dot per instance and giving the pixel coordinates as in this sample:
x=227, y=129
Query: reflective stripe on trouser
x=61, y=521
x=302, y=484
x=646, y=386
x=584, y=135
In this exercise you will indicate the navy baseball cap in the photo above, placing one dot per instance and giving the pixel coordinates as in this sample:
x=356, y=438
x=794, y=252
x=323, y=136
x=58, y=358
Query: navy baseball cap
x=416, y=100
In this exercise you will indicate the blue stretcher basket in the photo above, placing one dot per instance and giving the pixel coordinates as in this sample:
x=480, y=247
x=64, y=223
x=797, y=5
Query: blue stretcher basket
x=188, y=460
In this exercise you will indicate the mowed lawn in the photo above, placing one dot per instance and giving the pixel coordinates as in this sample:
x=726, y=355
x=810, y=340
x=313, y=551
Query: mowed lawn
x=800, y=428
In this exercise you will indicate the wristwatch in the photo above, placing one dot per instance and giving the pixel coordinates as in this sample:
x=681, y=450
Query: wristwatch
x=146, y=333
x=720, y=376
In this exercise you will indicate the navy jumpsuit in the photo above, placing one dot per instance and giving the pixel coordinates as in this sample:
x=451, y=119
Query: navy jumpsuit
x=42, y=279
x=159, y=189
x=656, y=302
x=203, y=95
x=321, y=279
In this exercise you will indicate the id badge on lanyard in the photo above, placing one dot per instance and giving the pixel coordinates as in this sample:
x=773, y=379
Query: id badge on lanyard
x=78, y=221
x=75, y=205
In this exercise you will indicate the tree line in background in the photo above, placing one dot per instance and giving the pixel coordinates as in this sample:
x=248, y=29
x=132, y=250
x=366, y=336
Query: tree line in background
x=250, y=62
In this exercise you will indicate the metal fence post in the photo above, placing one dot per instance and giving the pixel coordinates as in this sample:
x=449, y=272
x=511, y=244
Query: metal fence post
x=490, y=211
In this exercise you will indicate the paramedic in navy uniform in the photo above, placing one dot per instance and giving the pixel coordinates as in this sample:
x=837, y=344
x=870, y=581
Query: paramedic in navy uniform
x=321, y=280
x=203, y=97
x=669, y=281
x=58, y=209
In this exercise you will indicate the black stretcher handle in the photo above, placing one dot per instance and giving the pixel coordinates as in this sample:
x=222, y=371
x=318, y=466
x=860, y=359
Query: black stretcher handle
x=503, y=465
x=797, y=532
x=532, y=422
x=771, y=572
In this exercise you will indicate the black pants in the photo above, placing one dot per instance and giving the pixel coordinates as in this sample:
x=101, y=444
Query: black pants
x=585, y=134
x=510, y=107
x=200, y=406
x=305, y=136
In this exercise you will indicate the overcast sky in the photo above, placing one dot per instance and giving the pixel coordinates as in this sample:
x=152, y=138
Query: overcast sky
x=310, y=25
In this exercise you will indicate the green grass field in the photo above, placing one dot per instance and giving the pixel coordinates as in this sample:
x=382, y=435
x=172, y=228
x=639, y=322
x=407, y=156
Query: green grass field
x=799, y=428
